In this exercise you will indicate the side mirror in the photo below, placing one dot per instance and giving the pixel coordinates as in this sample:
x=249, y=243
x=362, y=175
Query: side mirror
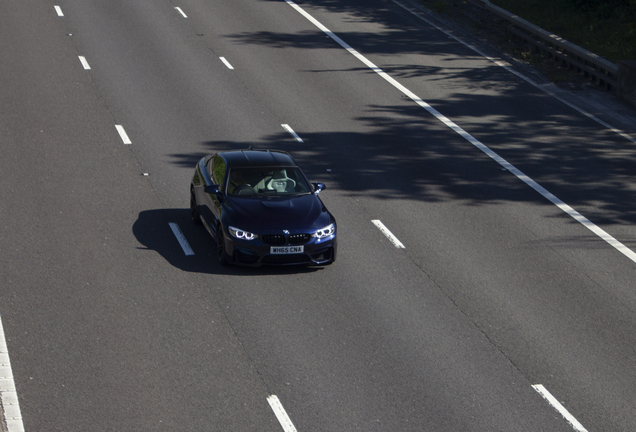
x=212, y=190
x=318, y=187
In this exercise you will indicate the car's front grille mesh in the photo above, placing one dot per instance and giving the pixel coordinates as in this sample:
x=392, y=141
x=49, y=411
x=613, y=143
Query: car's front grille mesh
x=274, y=239
x=298, y=239
x=279, y=239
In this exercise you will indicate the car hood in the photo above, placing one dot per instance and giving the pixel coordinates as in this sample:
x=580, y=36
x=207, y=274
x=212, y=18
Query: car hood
x=273, y=213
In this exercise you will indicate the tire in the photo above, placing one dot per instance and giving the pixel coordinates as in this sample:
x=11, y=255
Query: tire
x=224, y=258
x=194, y=210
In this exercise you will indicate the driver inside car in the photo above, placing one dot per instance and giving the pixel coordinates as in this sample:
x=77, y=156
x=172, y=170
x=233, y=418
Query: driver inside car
x=236, y=180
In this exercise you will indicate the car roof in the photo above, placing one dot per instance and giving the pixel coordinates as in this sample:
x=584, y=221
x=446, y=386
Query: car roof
x=257, y=158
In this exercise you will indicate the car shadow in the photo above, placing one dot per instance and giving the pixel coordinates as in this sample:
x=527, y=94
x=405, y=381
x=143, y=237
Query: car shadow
x=152, y=229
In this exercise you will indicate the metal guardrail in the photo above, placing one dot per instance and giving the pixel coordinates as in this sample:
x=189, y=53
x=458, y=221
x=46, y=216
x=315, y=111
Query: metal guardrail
x=589, y=63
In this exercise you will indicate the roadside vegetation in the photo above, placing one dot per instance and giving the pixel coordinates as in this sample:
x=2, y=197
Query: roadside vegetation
x=604, y=27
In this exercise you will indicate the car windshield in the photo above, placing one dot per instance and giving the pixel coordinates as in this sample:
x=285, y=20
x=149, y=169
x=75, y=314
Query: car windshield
x=263, y=181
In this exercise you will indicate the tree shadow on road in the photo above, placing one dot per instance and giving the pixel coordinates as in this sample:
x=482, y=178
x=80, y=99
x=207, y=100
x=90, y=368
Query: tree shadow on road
x=399, y=151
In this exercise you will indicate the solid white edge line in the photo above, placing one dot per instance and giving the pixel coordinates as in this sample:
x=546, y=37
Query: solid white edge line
x=8, y=393
x=181, y=12
x=291, y=131
x=181, y=239
x=84, y=62
x=281, y=414
x=560, y=408
x=59, y=11
x=122, y=134
x=388, y=234
x=227, y=63
x=450, y=124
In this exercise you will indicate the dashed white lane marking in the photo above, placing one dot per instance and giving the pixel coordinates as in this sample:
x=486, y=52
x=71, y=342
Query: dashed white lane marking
x=291, y=131
x=123, y=135
x=475, y=142
x=59, y=11
x=181, y=239
x=281, y=414
x=227, y=63
x=84, y=62
x=388, y=234
x=560, y=408
x=8, y=394
x=181, y=12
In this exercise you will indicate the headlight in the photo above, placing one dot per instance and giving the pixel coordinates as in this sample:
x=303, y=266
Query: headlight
x=242, y=235
x=325, y=232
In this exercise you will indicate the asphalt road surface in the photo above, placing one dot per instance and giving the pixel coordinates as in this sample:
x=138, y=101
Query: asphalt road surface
x=498, y=296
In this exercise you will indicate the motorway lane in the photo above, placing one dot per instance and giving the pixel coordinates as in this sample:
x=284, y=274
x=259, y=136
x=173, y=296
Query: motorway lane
x=357, y=137
x=164, y=84
x=291, y=67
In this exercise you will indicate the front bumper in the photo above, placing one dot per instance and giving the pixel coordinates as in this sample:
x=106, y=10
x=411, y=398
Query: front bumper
x=257, y=252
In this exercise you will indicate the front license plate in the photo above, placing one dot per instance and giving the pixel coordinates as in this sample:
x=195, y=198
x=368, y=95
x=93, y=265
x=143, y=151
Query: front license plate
x=287, y=250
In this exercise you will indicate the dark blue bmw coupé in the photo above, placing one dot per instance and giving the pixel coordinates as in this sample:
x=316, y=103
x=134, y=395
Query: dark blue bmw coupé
x=261, y=209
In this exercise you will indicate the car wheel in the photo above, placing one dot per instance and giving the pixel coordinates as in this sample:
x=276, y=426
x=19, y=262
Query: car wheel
x=194, y=210
x=224, y=258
